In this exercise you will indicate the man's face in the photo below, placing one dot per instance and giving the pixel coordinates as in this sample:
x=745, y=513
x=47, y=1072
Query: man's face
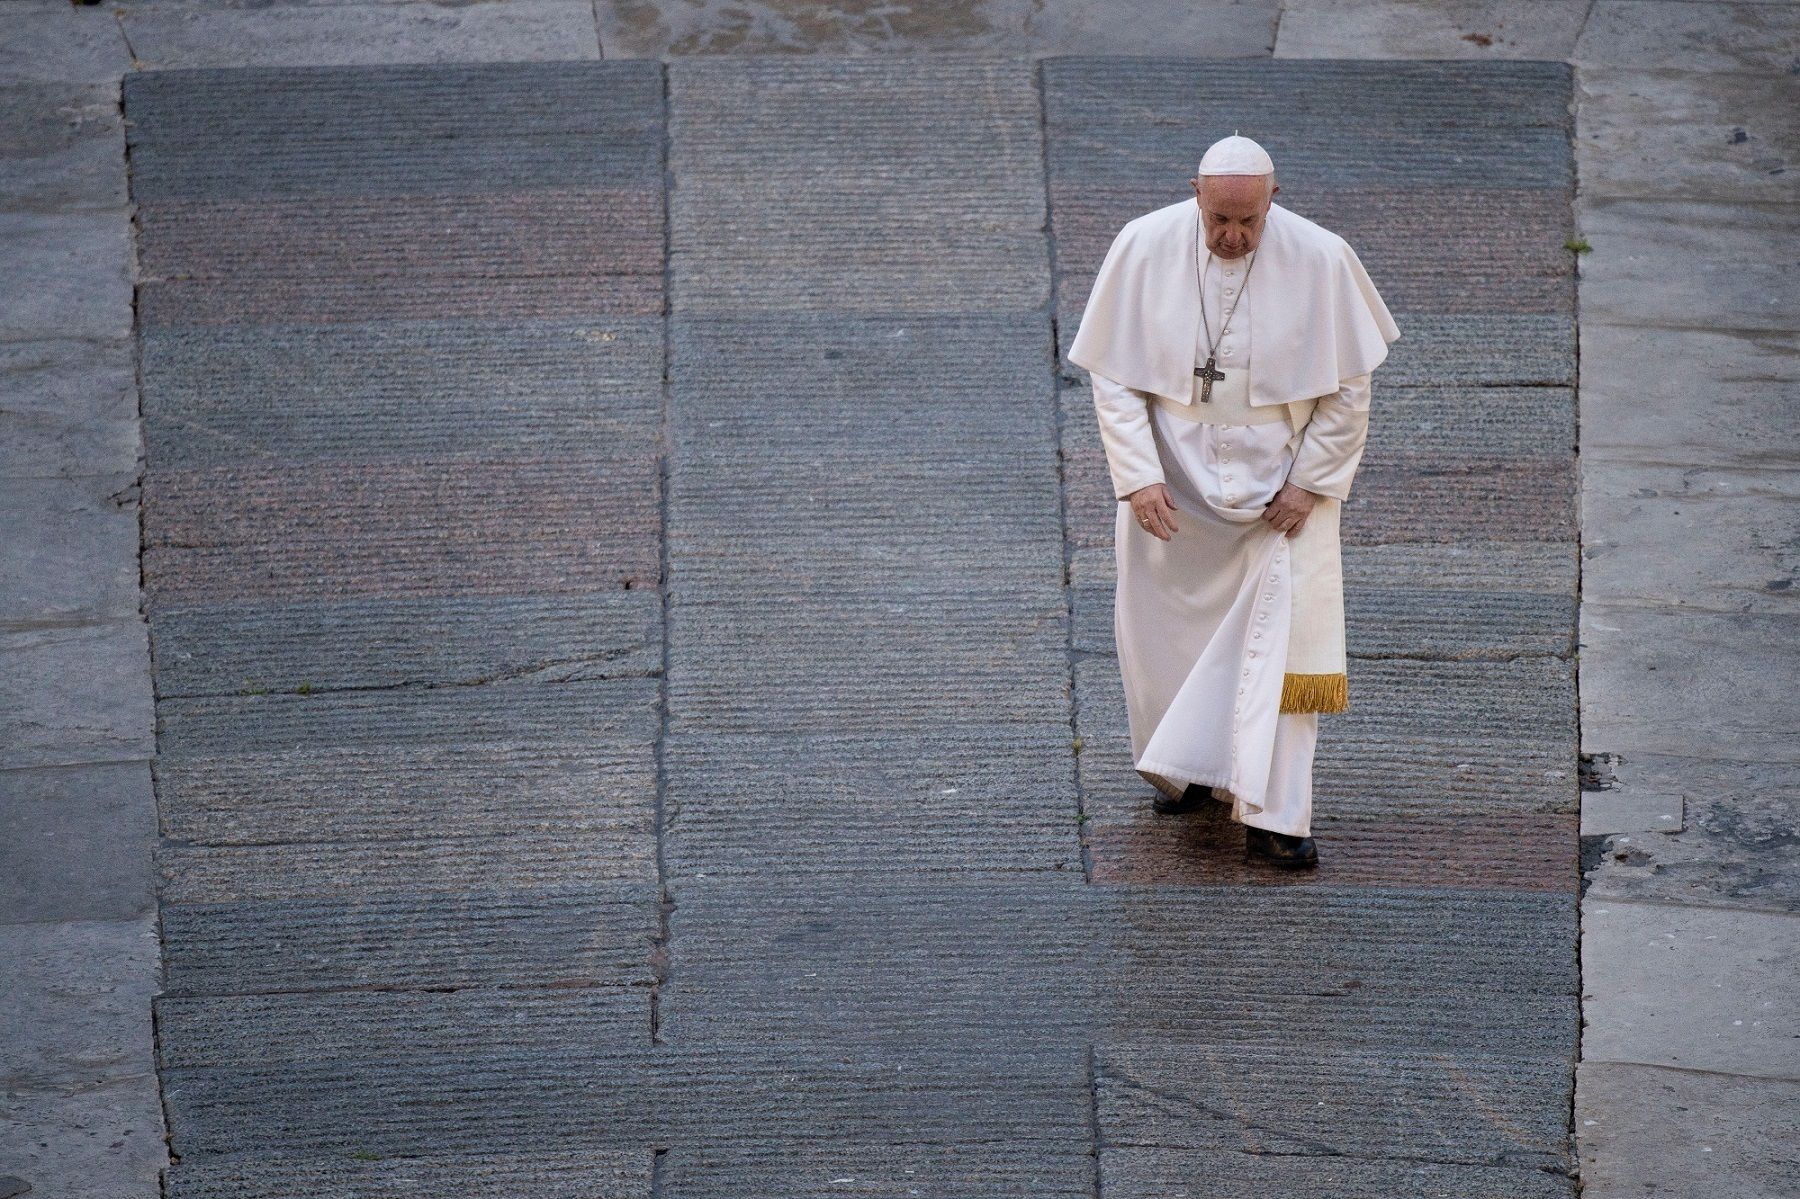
x=1233, y=209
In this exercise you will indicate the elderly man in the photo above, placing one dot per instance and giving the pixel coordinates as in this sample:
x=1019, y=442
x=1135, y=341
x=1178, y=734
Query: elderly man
x=1230, y=344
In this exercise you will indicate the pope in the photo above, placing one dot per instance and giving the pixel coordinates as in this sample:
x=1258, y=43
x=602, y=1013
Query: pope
x=1231, y=344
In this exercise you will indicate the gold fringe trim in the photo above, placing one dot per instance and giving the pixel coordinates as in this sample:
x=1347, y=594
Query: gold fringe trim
x=1315, y=693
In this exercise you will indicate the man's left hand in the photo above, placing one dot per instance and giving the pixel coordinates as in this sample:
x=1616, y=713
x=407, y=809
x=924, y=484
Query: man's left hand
x=1290, y=508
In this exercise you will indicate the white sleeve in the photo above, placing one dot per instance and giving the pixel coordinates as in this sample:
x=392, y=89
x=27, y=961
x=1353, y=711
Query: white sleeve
x=1126, y=433
x=1332, y=445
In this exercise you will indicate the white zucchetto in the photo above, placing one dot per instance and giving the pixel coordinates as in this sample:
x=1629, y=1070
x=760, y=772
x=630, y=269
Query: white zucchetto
x=1236, y=155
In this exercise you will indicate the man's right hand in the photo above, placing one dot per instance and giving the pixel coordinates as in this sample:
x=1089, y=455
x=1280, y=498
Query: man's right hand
x=1154, y=509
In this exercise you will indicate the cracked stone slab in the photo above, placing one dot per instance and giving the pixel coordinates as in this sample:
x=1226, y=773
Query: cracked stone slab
x=1716, y=832
x=1685, y=264
x=236, y=649
x=68, y=551
x=1638, y=385
x=1692, y=988
x=503, y=934
x=1646, y=1129
x=175, y=35
x=62, y=145
x=1485, y=30
x=75, y=694
x=1670, y=33
x=75, y=844
x=1471, y=1108
x=70, y=408
x=630, y=29
x=1702, y=538
x=1683, y=135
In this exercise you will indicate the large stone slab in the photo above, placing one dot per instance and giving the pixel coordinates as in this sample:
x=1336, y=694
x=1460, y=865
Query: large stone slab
x=954, y=222
x=519, y=1174
x=1641, y=387
x=63, y=146
x=1714, y=539
x=210, y=35
x=1702, y=989
x=1486, y=30
x=1211, y=29
x=70, y=408
x=47, y=41
x=75, y=694
x=1647, y=671
x=68, y=551
x=1690, y=37
x=1155, y=1173
x=1647, y=1130
x=75, y=844
x=1683, y=264
x=1687, y=135
x=70, y=273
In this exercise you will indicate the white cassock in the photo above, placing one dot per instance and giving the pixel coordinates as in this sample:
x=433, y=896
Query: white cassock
x=1230, y=635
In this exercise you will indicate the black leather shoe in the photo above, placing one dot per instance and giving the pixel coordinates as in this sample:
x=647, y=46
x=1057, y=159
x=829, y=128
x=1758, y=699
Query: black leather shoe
x=1194, y=797
x=1280, y=849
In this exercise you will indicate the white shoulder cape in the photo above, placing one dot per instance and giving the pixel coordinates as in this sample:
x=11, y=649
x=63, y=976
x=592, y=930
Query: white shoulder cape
x=1315, y=317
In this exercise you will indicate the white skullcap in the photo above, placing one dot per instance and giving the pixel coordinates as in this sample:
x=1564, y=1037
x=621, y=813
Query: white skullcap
x=1236, y=155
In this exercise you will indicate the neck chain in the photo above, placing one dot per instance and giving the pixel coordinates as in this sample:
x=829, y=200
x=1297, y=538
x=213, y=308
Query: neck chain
x=1210, y=373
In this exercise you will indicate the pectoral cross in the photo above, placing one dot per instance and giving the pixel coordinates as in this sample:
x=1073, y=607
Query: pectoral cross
x=1208, y=375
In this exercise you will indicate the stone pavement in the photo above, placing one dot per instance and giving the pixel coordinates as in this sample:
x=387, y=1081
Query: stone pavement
x=820, y=868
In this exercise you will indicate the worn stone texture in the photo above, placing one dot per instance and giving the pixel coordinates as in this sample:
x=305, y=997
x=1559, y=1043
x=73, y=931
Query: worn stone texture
x=1488, y=30
x=68, y=550
x=69, y=408
x=70, y=274
x=1692, y=988
x=1211, y=28
x=75, y=694
x=1647, y=1130
x=171, y=35
x=1719, y=36
x=75, y=843
x=63, y=146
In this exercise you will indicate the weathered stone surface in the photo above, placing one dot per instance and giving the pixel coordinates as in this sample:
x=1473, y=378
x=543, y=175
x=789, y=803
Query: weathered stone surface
x=1689, y=987
x=47, y=41
x=1685, y=263
x=1710, y=538
x=1641, y=393
x=75, y=694
x=68, y=550
x=1720, y=832
x=826, y=1168
x=62, y=145
x=69, y=274
x=236, y=649
x=1473, y=1108
x=75, y=843
x=1685, y=135
x=1646, y=1130
x=955, y=223
x=522, y=1173
x=1402, y=29
x=1647, y=671
x=69, y=408
x=214, y=35
x=1138, y=1172
x=1689, y=37
x=76, y=998
x=1212, y=29
x=104, y=1141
